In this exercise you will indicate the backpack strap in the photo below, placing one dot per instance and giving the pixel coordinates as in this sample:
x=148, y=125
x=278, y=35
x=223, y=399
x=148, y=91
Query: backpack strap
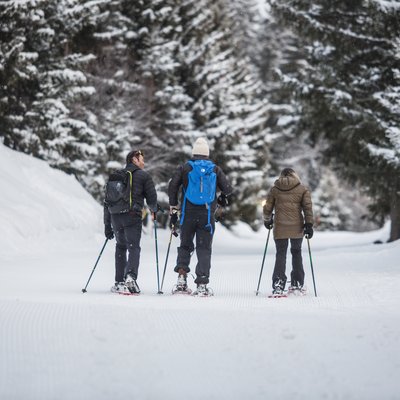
x=130, y=189
x=130, y=186
x=209, y=226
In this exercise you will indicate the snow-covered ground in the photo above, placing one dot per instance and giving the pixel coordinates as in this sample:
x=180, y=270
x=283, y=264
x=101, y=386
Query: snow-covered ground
x=58, y=343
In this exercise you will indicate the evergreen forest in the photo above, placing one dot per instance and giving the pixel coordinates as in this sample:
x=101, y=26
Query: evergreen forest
x=313, y=85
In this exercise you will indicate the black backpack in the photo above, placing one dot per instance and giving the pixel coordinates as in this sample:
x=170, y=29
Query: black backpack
x=118, y=192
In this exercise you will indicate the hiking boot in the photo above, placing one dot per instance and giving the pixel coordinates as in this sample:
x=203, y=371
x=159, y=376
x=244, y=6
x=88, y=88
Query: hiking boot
x=278, y=287
x=203, y=291
x=296, y=288
x=277, y=290
x=131, y=284
x=294, y=285
x=120, y=287
x=181, y=285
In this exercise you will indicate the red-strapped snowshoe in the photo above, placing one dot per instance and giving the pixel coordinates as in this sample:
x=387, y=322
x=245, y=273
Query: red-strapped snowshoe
x=277, y=295
x=177, y=289
x=122, y=289
x=297, y=291
x=278, y=292
x=203, y=291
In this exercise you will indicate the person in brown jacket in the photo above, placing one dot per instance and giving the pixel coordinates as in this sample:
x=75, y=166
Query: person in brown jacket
x=292, y=203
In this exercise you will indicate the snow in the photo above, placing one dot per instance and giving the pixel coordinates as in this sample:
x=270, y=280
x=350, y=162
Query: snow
x=388, y=5
x=69, y=75
x=58, y=343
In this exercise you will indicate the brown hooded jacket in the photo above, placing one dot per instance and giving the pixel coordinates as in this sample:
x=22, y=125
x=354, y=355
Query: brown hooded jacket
x=291, y=200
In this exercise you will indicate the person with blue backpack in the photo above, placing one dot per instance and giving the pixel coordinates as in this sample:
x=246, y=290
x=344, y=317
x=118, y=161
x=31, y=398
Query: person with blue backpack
x=200, y=179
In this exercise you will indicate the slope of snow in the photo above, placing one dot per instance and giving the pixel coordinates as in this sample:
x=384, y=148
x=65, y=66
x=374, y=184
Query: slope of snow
x=58, y=343
x=38, y=201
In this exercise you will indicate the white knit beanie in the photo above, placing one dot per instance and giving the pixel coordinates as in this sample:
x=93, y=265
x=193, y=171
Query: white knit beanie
x=200, y=148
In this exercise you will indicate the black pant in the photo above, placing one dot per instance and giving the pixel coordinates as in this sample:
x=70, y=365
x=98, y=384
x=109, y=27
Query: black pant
x=297, y=274
x=194, y=224
x=127, y=228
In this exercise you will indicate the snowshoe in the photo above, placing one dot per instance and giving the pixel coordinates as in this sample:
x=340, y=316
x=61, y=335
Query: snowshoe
x=131, y=284
x=203, y=291
x=297, y=290
x=120, y=288
x=181, y=286
x=179, y=290
x=278, y=290
x=275, y=295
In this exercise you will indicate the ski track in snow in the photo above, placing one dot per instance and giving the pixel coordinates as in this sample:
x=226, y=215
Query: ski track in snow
x=58, y=343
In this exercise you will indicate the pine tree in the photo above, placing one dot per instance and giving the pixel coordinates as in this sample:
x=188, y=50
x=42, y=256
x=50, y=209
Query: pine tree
x=351, y=93
x=227, y=106
x=43, y=83
x=166, y=127
x=85, y=81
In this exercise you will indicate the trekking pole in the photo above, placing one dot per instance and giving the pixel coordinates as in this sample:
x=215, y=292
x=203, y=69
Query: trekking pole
x=173, y=232
x=155, y=237
x=262, y=264
x=95, y=265
x=312, y=269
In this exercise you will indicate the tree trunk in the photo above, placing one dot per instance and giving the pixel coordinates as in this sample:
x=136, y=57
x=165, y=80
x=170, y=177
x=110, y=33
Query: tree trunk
x=394, y=216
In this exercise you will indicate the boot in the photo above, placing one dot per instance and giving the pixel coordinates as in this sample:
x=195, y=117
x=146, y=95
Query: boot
x=278, y=287
x=120, y=287
x=203, y=291
x=181, y=285
x=131, y=284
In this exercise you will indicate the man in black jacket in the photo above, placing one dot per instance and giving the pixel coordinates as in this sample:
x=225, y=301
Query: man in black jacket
x=125, y=221
x=198, y=220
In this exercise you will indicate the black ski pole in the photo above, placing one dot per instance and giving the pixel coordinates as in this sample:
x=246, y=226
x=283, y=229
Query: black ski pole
x=156, y=243
x=95, y=265
x=262, y=264
x=312, y=269
x=173, y=232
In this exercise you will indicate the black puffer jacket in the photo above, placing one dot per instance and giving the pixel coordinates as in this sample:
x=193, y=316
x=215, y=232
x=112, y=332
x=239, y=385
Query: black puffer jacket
x=142, y=188
x=180, y=178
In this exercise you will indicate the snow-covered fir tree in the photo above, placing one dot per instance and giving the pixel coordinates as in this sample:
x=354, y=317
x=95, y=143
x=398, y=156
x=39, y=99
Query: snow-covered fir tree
x=166, y=126
x=43, y=83
x=227, y=106
x=187, y=80
x=83, y=82
x=350, y=95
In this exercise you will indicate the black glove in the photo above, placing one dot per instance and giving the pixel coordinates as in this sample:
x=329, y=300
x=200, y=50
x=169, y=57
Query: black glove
x=269, y=223
x=308, y=231
x=173, y=218
x=108, y=231
x=222, y=200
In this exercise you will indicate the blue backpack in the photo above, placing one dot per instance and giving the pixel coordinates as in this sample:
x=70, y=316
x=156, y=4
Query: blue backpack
x=201, y=187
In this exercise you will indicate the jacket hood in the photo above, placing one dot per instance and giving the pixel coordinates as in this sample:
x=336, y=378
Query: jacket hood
x=286, y=183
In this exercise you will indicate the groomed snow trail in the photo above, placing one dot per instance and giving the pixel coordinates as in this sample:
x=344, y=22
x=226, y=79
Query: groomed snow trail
x=57, y=343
